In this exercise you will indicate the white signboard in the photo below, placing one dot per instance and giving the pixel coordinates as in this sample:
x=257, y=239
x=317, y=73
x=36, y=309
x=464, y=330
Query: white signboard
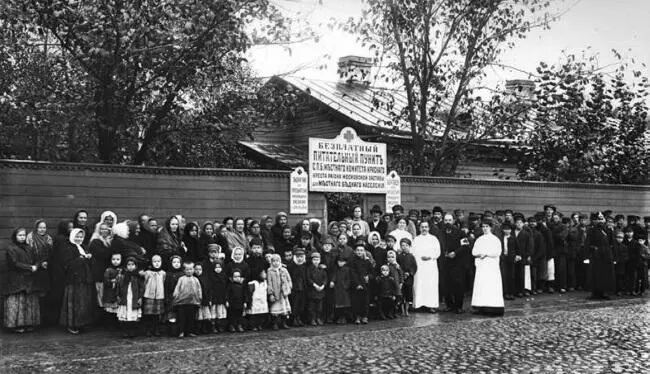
x=299, y=192
x=347, y=164
x=393, y=190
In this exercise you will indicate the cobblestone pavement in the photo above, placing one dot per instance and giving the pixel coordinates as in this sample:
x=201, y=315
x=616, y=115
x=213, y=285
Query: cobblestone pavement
x=548, y=334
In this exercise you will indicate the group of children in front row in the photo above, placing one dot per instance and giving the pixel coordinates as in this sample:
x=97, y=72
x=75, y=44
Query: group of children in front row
x=258, y=291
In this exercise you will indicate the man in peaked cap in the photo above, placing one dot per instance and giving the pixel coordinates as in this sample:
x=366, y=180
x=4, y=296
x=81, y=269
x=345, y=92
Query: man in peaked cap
x=376, y=223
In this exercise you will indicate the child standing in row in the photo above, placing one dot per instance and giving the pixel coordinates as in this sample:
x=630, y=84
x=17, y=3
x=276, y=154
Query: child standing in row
x=316, y=282
x=171, y=279
x=218, y=295
x=409, y=266
x=130, y=289
x=387, y=293
x=187, y=298
x=236, y=300
x=340, y=282
x=153, y=302
x=298, y=271
x=109, y=299
x=279, y=289
x=204, y=315
x=361, y=271
x=259, y=306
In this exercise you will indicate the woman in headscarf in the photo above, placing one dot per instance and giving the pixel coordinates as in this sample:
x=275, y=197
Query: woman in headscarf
x=41, y=243
x=426, y=250
x=169, y=240
x=333, y=231
x=190, y=250
x=487, y=296
x=255, y=232
x=276, y=230
x=147, y=237
x=206, y=238
x=237, y=237
x=266, y=224
x=316, y=237
x=100, y=249
x=21, y=304
x=77, y=308
x=124, y=242
x=56, y=274
x=80, y=221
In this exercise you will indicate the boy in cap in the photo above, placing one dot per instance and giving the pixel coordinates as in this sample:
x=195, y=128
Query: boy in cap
x=298, y=297
x=316, y=283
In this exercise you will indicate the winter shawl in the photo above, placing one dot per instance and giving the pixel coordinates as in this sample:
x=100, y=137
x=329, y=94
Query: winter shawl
x=154, y=284
x=279, y=282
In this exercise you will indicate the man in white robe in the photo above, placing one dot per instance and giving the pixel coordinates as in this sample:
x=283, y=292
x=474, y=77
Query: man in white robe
x=426, y=250
x=487, y=296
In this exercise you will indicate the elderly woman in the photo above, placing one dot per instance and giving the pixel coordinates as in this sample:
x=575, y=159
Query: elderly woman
x=77, y=308
x=21, y=304
x=487, y=296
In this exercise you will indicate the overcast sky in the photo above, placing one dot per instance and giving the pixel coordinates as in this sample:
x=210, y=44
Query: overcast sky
x=600, y=24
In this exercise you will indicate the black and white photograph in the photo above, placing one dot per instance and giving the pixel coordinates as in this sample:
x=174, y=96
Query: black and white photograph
x=325, y=186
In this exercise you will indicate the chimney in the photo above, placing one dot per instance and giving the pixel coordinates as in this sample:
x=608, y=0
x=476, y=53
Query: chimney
x=355, y=69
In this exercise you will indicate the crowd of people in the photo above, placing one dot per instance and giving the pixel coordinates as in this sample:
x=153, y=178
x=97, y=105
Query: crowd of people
x=184, y=278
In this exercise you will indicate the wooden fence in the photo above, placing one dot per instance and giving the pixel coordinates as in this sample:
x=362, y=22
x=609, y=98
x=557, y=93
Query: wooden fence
x=33, y=190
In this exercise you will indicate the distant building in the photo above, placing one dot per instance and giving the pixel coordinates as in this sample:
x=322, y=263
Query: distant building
x=325, y=107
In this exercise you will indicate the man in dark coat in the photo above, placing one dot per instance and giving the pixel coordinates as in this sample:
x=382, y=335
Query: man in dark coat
x=523, y=251
x=602, y=260
x=559, y=232
x=376, y=223
x=454, y=253
x=508, y=256
x=538, y=257
x=550, y=249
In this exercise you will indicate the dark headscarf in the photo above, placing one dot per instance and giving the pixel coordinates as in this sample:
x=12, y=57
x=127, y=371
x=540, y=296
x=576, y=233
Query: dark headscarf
x=40, y=242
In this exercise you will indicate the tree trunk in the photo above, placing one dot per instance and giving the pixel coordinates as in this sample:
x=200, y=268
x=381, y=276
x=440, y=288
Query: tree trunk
x=105, y=116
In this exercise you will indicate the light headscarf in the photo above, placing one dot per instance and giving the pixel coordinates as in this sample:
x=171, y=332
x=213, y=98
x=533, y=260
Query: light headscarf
x=74, y=233
x=106, y=214
x=373, y=234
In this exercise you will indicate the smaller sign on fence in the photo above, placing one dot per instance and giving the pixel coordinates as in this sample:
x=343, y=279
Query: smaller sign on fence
x=299, y=192
x=393, y=190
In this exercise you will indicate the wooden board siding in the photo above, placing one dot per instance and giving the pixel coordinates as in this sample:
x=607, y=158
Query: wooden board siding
x=316, y=122
x=525, y=197
x=29, y=191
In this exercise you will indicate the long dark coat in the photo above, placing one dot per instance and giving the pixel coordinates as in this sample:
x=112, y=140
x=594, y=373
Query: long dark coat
x=342, y=283
x=602, y=260
x=20, y=260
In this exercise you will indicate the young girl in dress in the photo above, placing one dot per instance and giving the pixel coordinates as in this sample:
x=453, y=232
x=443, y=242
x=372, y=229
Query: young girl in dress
x=130, y=289
x=259, y=307
x=171, y=279
x=153, y=303
x=204, y=316
x=109, y=298
x=219, y=285
x=279, y=289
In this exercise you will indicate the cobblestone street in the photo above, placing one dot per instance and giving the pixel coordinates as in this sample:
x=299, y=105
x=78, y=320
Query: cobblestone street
x=551, y=334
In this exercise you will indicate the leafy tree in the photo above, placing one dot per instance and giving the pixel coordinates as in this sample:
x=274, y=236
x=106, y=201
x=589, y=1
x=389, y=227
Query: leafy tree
x=591, y=124
x=137, y=71
x=437, y=51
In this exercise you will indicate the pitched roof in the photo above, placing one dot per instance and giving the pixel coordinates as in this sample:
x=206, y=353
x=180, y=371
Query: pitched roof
x=356, y=101
x=286, y=155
